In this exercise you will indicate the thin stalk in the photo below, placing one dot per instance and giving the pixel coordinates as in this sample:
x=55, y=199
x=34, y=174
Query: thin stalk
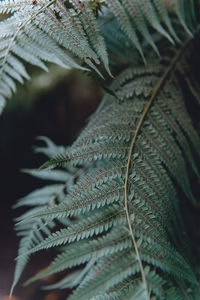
x=155, y=92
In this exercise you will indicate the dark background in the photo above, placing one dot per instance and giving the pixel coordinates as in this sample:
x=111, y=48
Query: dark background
x=54, y=104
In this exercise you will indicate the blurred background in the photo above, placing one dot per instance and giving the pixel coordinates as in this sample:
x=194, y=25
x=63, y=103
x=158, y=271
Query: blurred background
x=57, y=105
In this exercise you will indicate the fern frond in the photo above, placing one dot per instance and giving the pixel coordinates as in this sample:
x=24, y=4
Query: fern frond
x=67, y=35
x=34, y=232
x=126, y=164
x=125, y=23
x=47, y=32
x=153, y=200
x=32, y=235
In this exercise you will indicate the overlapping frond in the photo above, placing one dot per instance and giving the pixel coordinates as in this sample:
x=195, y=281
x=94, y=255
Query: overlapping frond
x=136, y=21
x=67, y=33
x=47, y=31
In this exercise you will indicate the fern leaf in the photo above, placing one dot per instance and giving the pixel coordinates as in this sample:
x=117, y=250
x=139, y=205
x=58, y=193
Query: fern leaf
x=55, y=175
x=31, y=236
x=101, y=186
x=141, y=140
x=33, y=232
x=150, y=14
x=124, y=21
x=41, y=196
x=35, y=34
x=92, y=30
x=133, y=9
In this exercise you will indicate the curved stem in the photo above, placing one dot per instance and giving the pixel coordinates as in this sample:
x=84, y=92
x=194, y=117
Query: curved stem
x=139, y=125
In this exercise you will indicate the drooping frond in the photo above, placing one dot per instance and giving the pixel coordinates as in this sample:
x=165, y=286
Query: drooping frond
x=94, y=203
x=67, y=33
x=135, y=21
x=47, y=31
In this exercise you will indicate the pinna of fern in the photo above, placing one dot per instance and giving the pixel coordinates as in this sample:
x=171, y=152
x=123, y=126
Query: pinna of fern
x=88, y=203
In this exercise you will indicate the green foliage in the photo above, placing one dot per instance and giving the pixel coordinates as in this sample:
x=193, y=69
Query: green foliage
x=87, y=201
x=67, y=33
